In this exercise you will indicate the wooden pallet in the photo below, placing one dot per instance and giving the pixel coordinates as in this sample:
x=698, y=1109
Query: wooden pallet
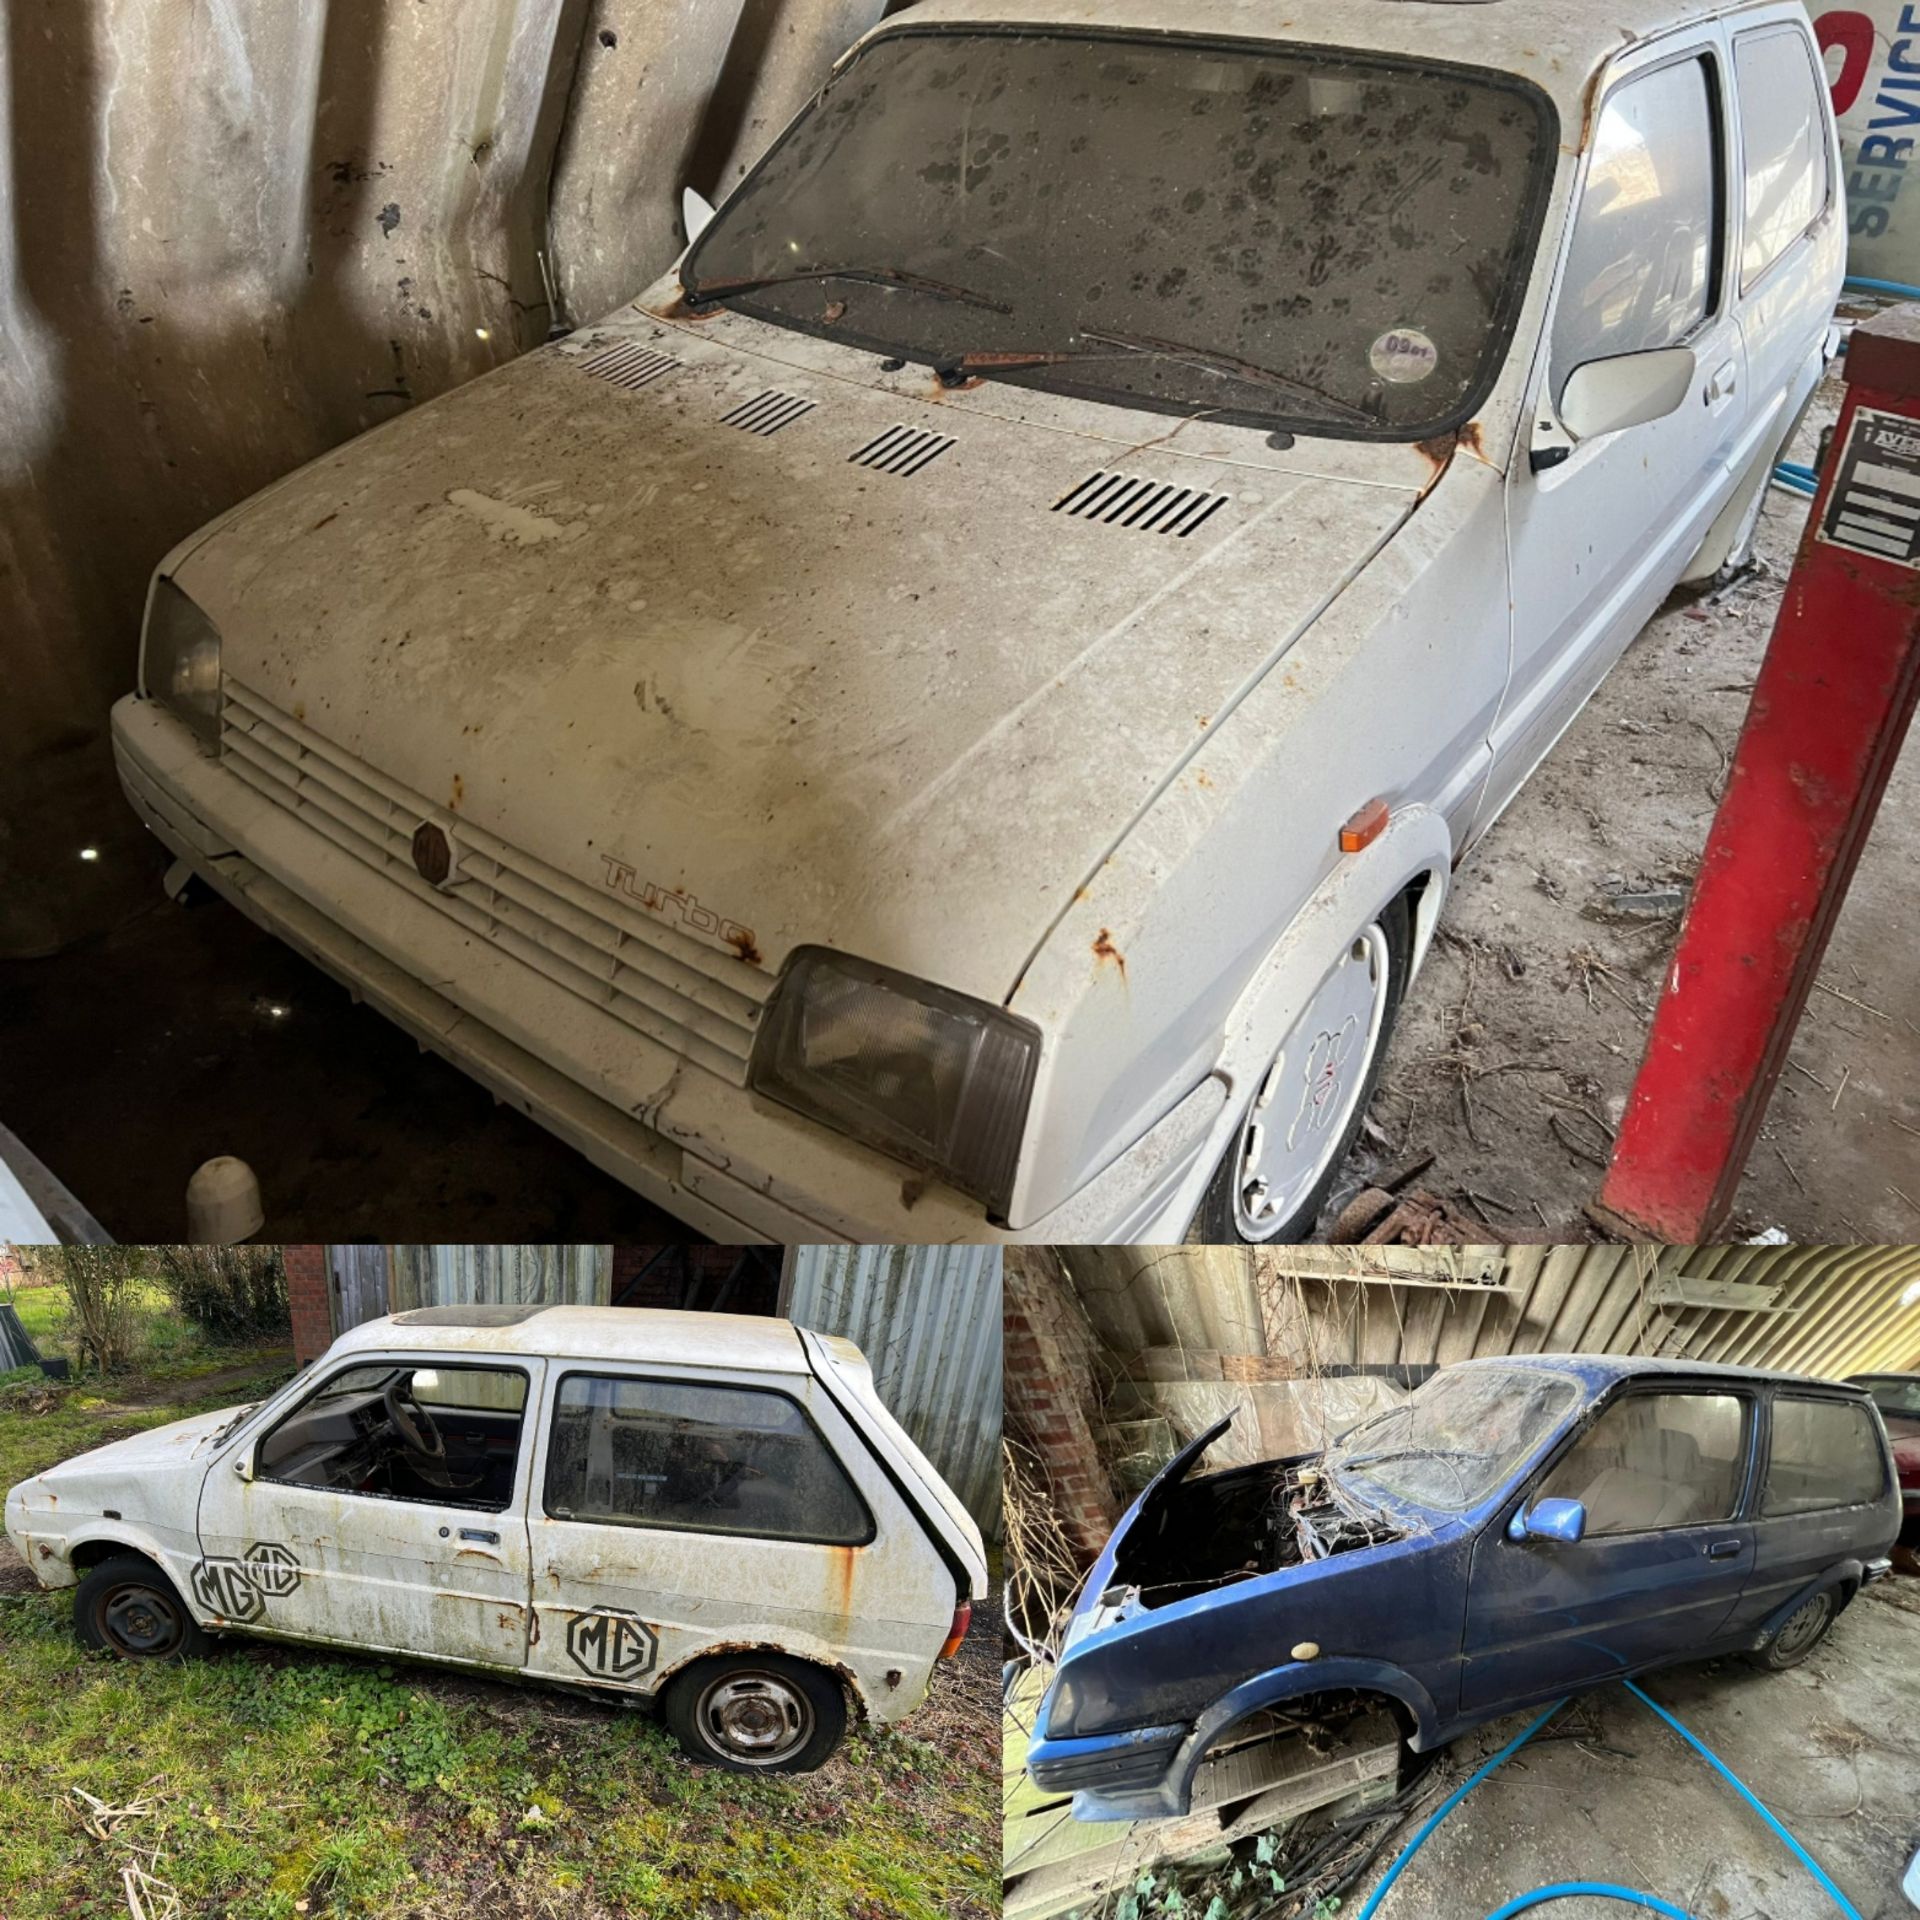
x=1052, y=1863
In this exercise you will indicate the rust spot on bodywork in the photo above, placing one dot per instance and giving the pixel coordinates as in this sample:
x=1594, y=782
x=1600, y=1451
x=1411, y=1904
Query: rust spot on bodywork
x=46, y=1552
x=1104, y=950
x=505, y=1617
x=459, y=793
x=679, y=308
x=894, y=1676
x=1439, y=450
x=741, y=940
x=840, y=1580
x=533, y=1627
x=1470, y=439
x=324, y=520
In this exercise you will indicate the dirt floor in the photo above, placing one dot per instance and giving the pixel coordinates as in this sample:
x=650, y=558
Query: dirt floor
x=1520, y=1040
x=1619, y=1797
x=149, y=1036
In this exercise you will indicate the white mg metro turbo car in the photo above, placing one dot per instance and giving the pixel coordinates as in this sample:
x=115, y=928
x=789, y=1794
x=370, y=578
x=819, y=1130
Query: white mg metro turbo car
x=954, y=714
x=711, y=1510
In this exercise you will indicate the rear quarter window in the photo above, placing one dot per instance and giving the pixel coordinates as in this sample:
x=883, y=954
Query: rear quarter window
x=1783, y=140
x=698, y=1457
x=1824, y=1453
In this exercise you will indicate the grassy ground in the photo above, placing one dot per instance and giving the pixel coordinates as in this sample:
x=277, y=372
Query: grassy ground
x=281, y=1783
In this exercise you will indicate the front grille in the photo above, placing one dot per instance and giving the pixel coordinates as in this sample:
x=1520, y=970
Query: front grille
x=651, y=976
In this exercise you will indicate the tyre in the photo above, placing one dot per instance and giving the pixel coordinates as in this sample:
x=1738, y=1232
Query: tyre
x=757, y=1713
x=1799, y=1634
x=1274, y=1177
x=126, y=1606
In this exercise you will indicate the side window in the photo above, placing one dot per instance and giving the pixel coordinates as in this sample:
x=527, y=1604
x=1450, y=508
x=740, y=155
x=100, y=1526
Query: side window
x=445, y=1436
x=697, y=1458
x=1783, y=134
x=1641, y=264
x=1825, y=1453
x=1657, y=1460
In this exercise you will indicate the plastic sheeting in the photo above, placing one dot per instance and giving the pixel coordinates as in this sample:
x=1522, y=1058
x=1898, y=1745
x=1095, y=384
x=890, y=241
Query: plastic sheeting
x=234, y=233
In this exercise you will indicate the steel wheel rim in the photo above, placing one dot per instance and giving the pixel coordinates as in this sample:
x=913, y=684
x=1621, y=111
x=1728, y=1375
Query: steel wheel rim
x=755, y=1717
x=1803, y=1627
x=1312, y=1091
x=139, y=1621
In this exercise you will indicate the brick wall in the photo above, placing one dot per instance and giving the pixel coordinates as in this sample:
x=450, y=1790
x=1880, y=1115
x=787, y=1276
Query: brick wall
x=1052, y=1398
x=307, y=1295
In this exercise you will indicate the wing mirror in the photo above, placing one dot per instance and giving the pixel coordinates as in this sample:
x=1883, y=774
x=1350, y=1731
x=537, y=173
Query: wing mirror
x=1561, y=1520
x=696, y=213
x=1605, y=395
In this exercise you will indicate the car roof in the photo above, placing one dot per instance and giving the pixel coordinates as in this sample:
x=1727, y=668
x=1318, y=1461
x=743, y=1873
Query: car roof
x=1604, y=1369
x=744, y=1341
x=1558, y=44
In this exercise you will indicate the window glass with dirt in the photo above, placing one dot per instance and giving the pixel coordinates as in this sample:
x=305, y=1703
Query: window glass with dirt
x=1824, y=1453
x=1655, y=1460
x=1459, y=1438
x=697, y=1458
x=439, y=1435
x=1640, y=264
x=1335, y=240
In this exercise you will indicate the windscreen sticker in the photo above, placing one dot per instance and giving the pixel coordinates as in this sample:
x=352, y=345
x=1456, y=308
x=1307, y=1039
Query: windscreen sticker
x=1404, y=355
x=1875, y=503
x=613, y=1642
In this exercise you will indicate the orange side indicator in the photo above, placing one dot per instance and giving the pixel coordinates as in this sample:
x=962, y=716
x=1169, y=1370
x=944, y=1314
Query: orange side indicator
x=1365, y=827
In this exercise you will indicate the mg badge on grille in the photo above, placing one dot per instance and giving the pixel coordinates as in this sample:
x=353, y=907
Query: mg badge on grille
x=432, y=854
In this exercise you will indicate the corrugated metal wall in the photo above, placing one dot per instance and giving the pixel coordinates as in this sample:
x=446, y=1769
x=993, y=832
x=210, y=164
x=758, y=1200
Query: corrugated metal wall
x=234, y=232
x=1827, y=1310
x=454, y=1276
x=928, y=1318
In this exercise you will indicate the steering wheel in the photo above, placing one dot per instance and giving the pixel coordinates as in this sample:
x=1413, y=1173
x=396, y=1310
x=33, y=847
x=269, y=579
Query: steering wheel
x=416, y=1426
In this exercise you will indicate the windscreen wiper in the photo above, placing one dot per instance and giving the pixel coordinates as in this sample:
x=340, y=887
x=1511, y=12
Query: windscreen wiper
x=710, y=293
x=1205, y=359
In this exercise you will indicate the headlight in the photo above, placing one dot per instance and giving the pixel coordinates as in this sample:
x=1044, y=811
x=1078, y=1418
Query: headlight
x=932, y=1077
x=180, y=660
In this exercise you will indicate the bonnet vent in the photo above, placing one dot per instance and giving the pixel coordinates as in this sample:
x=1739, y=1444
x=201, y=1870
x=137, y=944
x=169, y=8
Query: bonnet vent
x=1147, y=506
x=628, y=364
x=768, y=412
x=902, y=450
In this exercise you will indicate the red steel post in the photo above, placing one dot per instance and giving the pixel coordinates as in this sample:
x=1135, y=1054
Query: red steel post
x=1830, y=708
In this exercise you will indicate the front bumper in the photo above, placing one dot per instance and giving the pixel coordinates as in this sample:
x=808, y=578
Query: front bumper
x=732, y=1168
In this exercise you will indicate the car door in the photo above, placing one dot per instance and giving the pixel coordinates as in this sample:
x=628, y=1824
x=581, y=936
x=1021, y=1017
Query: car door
x=676, y=1510
x=1824, y=1498
x=313, y=1531
x=1790, y=255
x=1663, y=1473
x=1597, y=538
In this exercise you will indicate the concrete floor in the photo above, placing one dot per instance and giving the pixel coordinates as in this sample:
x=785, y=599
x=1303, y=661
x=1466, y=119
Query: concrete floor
x=1831, y=1747
x=1518, y=1044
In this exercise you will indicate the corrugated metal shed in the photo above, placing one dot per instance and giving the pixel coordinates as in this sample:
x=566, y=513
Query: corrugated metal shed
x=1819, y=1310
x=455, y=1276
x=928, y=1318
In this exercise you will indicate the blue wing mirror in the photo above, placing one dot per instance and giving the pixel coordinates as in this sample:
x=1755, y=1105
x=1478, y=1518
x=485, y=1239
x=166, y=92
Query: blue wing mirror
x=1562, y=1520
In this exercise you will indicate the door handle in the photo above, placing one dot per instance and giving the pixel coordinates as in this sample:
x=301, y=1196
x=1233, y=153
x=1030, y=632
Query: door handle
x=1722, y=382
x=1723, y=1550
x=480, y=1534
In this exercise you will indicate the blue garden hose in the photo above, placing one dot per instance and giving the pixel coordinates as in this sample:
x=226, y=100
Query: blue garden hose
x=1897, y=287
x=1726, y=1773
x=1595, y=1889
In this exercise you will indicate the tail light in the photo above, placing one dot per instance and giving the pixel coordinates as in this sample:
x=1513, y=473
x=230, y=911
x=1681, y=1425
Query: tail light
x=962, y=1620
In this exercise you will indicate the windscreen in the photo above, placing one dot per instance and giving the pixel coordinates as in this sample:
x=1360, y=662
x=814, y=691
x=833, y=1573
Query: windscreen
x=1283, y=235
x=1460, y=1438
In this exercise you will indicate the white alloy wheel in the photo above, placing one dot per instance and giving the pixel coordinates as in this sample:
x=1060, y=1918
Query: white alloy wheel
x=1309, y=1097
